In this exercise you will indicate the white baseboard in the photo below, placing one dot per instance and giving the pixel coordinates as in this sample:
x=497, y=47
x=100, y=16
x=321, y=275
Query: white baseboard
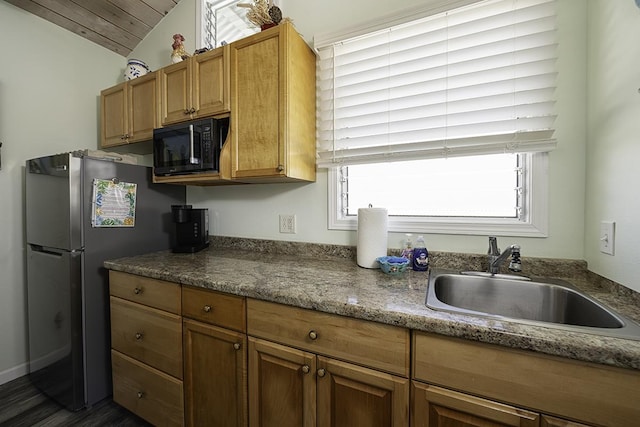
x=13, y=373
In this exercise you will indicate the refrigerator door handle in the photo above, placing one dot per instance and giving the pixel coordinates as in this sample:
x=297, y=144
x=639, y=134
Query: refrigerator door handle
x=45, y=250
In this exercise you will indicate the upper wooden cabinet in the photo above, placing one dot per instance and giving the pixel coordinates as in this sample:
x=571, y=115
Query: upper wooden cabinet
x=196, y=87
x=273, y=101
x=265, y=84
x=129, y=111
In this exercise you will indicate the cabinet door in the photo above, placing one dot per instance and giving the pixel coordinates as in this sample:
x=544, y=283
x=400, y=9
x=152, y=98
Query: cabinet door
x=434, y=406
x=256, y=104
x=214, y=376
x=143, y=104
x=282, y=385
x=351, y=395
x=113, y=114
x=210, y=82
x=175, y=87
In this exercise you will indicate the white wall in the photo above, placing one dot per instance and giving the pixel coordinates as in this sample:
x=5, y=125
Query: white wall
x=614, y=138
x=50, y=80
x=252, y=210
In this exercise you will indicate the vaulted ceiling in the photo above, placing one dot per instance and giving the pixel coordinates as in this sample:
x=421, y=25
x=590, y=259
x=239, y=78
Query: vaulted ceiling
x=118, y=25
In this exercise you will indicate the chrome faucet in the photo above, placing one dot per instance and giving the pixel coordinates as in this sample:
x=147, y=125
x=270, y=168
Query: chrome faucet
x=496, y=258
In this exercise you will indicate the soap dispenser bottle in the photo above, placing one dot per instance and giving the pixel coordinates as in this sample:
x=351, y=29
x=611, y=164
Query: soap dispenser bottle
x=407, y=252
x=420, y=255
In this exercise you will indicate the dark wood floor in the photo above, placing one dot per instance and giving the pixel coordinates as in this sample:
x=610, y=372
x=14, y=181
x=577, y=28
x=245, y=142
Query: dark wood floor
x=21, y=404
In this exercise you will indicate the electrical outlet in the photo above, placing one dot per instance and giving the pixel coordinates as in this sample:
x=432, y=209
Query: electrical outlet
x=607, y=237
x=288, y=224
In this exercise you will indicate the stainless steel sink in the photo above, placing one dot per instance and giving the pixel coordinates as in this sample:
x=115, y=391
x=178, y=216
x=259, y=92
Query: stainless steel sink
x=549, y=302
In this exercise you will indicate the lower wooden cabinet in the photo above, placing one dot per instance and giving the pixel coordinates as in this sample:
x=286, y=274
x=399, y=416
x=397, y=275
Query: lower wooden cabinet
x=215, y=375
x=288, y=386
x=146, y=391
x=190, y=355
x=569, y=390
x=146, y=354
x=436, y=407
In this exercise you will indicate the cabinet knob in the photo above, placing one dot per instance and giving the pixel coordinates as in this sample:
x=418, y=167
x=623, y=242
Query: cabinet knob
x=280, y=168
x=137, y=291
x=140, y=395
x=237, y=346
x=138, y=336
x=207, y=308
x=306, y=369
x=321, y=372
x=313, y=335
x=192, y=110
x=187, y=112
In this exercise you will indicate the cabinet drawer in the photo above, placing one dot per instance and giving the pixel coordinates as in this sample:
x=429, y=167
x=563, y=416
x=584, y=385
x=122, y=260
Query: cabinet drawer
x=147, y=392
x=228, y=311
x=152, y=292
x=592, y=393
x=149, y=335
x=371, y=344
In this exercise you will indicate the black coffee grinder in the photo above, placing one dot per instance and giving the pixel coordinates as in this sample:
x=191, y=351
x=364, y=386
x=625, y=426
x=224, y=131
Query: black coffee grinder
x=192, y=228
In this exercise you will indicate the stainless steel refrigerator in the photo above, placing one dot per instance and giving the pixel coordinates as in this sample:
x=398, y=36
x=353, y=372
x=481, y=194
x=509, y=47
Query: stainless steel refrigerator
x=67, y=285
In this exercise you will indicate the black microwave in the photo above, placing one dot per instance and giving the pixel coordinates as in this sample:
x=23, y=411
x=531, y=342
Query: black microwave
x=189, y=147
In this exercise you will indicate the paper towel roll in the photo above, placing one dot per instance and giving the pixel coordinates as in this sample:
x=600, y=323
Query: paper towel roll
x=372, y=236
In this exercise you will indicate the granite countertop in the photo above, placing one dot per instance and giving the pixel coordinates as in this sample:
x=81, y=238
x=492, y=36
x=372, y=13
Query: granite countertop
x=335, y=284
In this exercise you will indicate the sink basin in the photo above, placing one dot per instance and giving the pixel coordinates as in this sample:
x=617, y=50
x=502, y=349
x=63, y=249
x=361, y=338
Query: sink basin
x=550, y=302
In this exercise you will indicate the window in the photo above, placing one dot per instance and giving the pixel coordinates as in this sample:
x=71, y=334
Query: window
x=222, y=22
x=460, y=103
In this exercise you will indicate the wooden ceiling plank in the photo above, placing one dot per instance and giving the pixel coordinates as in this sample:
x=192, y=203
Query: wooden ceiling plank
x=57, y=19
x=162, y=6
x=116, y=16
x=90, y=21
x=139, y=10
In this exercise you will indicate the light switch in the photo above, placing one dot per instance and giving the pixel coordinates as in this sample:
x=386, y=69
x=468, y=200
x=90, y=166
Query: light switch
x=607, y=237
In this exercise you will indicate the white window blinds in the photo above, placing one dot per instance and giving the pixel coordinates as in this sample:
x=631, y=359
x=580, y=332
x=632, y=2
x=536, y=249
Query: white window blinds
x=479, y=79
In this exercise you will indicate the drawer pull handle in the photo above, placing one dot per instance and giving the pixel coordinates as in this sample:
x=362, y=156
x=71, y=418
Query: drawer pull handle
x=140, y=395
x=306, y=369
x=313, y=335
x=137, y=291
x=321, y=372
x=138, y=336
x=237, y=346
x=207, y=308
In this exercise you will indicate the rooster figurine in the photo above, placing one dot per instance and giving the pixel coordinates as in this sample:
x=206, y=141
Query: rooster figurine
x=179, y=53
